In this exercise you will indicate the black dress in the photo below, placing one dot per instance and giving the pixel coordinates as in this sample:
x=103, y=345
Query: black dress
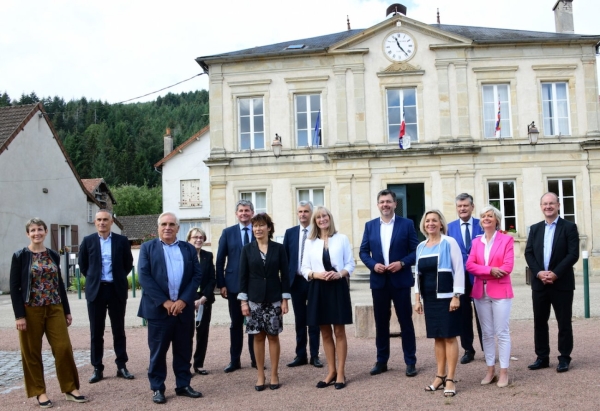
x=440, y=322
x=329, y=301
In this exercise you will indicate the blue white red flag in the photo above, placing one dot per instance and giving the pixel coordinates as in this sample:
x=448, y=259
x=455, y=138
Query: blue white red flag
x=402, y=132
x=317, y=133
x=498, y=125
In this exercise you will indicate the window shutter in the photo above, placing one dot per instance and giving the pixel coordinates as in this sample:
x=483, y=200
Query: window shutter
x=54, y=236
x=75, y=238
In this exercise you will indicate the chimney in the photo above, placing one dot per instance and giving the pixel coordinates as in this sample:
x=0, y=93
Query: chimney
x=168, y=142
x=563, y=16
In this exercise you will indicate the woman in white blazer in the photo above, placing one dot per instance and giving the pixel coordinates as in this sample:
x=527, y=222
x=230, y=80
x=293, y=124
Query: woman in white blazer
x=327, y=263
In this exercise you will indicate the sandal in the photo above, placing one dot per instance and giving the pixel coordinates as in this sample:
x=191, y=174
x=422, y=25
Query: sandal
x=450, y=393
x=439, y=386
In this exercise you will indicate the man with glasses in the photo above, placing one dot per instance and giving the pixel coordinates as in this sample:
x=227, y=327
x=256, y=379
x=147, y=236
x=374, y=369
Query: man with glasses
x=552, y=250
x=228, y=281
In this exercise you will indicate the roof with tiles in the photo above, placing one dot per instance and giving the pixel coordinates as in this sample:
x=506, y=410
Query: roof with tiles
x=137, y=227
x=183, y=145
x=12, y=119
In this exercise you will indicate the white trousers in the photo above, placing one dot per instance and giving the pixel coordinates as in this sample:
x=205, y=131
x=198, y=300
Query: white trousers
x=494, y=317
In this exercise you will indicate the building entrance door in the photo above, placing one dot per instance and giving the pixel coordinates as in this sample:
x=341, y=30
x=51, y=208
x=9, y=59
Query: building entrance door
x=411, y=203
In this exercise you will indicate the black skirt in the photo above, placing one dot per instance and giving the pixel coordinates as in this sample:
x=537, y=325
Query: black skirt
x=440, y=322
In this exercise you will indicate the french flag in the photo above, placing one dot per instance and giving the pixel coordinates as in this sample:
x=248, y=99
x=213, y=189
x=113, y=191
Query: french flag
x=402, y=132
x=498, y=126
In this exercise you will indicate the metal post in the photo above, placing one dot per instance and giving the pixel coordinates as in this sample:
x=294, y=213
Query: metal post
x=586, y=285
x=133, y=286
x=78, y=276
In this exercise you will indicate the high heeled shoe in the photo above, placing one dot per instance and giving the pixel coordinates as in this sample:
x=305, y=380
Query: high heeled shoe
x=45, y=404
x=440, y=386
x=323, y=384
x=75, y=398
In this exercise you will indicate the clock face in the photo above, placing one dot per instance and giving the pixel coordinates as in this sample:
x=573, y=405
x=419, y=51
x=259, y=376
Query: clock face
x=399, y=46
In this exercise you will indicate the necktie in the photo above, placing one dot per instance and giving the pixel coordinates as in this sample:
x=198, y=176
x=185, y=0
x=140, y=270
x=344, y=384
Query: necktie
x=246, y=236
x=467, y=237
x=302, y=248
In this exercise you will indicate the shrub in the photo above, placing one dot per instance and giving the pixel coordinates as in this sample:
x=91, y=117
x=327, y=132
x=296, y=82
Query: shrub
x=73, y=286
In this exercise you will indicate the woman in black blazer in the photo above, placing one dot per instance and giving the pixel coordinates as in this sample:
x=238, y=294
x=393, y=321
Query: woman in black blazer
x=264, y=292
x=206, y=297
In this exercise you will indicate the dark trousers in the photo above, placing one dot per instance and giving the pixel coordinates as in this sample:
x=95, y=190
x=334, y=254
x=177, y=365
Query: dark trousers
x=299, y=292
x=107, y=300
x=161, y=334
x=466, y=322
x=202, y=329
x=382, y=299
x=236, y=330
x=562, y=303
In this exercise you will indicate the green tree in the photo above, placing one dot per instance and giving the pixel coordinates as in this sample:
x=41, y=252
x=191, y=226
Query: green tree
x=4, y=100
x=134, y=200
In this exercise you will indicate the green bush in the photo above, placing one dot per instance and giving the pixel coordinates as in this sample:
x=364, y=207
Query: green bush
x=73, y=286
x=137, y=282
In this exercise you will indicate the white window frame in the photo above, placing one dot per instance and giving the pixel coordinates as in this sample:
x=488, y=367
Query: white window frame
x=252, y=196
x=189, y=193
x=311, y=195
x=505, y=111
x=90, y=212
x=562, y=197
x=252, y=117
x=401, y=108
x=500, y=202
x=310, y=123
x=551, y=123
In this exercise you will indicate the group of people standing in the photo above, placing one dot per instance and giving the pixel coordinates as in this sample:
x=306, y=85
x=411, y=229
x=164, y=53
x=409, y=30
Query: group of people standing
x=466, y=260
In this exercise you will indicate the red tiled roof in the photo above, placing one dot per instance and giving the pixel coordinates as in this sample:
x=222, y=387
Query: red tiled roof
x=91, y=184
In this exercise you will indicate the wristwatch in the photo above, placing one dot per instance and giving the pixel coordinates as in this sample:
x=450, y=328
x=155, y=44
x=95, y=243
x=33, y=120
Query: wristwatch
x=457, y=295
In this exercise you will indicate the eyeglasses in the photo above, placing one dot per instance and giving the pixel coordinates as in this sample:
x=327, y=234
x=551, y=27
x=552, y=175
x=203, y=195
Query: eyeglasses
x=197, y=238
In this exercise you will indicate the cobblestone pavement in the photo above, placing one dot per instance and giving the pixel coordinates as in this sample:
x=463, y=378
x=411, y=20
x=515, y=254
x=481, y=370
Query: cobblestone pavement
x=11, y=371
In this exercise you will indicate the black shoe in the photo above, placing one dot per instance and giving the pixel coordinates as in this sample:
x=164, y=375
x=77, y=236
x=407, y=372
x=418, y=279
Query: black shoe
x=379, y=368
x=563, y=366
x=233, y=366
x=75, y=398
x=200, y=371
x=298, y=361
x=323, y=384
x=539, y=364
x=314, y=361
x=123, y=373
x=260, y=387
x=188, y=392
x=96, y=376
x=467, y=357
x=340, y=385
x=275, y=386
x=45, y=404
x=159, y=397
x=411, y=370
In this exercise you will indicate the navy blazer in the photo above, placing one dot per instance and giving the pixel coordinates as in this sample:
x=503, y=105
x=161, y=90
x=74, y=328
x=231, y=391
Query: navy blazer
x=455, y=232
x=207, y=285
x=291, y=243
x=402, y=248
x=264, y=282
x=230, y=248
x=90, y=264
x=155, y=283
x=565, y=253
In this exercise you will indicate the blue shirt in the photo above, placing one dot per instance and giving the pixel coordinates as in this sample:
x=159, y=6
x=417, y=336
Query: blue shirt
x=242, y=232
x=174, y=263
x=105, y=250
x=548, y=239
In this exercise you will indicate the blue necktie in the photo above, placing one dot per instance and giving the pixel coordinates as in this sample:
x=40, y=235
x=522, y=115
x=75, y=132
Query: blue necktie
x=246, y=236
x=467, y=237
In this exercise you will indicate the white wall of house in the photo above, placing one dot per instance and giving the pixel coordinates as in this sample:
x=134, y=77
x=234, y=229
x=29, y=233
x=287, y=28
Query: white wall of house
x=32, y=163
x=188, y=165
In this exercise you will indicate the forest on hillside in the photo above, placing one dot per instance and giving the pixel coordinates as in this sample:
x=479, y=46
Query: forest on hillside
x=121, y=142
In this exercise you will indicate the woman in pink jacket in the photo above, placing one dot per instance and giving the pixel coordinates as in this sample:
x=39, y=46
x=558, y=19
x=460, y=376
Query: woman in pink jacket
x=491, y=261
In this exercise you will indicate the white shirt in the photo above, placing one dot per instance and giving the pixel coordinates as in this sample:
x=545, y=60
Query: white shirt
x=488, y=247
x=463, y=227
x=385, y=231
x=301, y=235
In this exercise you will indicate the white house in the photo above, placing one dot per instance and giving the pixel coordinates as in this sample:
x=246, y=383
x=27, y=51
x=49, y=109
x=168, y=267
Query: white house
x=37, y=179
x=446, y=87
x=185, y=182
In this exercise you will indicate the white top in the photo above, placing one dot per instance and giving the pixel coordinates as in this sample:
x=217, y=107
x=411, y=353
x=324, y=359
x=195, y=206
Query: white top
x=300, y=236
x=385, y=231
x=488, y=247
x=340, y=254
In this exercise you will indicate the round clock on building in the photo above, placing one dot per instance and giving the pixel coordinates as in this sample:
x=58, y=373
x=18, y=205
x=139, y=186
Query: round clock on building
x=399, y=46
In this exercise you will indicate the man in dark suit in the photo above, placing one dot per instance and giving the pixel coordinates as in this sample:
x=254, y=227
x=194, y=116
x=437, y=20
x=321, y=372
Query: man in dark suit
x=170, y=275
x=552, y=250
x=464, y=230
x=293, y=242
x=105, y=260
x=228, y=280
x=388, y=250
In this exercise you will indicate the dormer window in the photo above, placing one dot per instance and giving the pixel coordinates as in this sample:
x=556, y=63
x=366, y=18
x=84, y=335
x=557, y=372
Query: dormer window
x=295, y=47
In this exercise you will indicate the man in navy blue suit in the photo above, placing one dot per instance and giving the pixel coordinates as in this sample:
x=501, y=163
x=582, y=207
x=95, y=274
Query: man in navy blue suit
x=170, y=274
x=388, y=250
x=464, y=230
x=105, y=260
x=293, y=242
x=228, y=280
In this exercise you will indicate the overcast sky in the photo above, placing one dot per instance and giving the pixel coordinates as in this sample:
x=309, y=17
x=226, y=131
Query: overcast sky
x=115, y=50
